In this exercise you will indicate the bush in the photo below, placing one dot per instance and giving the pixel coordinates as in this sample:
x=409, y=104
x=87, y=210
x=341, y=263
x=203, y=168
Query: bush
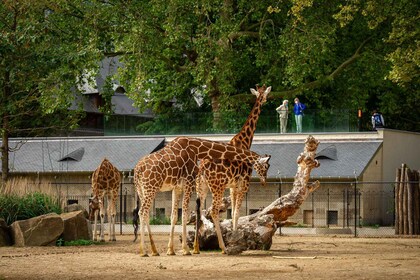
x=14, y=207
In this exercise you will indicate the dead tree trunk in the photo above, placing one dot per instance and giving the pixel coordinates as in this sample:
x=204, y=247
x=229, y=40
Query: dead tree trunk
x=396, y=199
x=407, y=202
x=416, y=186
x=255, y=231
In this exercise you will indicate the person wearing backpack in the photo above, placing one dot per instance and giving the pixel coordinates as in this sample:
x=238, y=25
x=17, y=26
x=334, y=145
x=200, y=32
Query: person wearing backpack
x=377, y=120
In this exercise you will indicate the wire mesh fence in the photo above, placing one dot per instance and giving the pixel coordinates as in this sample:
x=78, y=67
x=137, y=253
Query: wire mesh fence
x=351, y=208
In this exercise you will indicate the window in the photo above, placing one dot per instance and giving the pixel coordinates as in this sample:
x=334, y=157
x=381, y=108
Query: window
x=332, y=218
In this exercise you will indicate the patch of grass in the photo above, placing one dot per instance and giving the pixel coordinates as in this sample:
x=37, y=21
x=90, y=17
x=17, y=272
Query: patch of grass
x=80, y=242
x=300, y=226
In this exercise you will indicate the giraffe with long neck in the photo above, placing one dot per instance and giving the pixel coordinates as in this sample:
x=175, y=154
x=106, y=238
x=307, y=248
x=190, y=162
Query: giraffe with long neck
x=217, y=176
x=106, y=180
x=174, y=168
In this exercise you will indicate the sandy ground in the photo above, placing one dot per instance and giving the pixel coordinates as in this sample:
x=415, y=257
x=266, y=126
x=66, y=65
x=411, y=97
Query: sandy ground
x=291, y=257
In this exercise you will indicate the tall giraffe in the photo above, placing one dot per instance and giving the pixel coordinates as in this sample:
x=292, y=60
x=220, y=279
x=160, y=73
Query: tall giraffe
x=106, y=180
x=217, y=176
x=174, y=167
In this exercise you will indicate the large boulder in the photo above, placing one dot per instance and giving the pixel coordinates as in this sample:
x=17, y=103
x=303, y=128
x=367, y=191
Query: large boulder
x=76, y=226
x=5, y=238
x=76, y=207
x=38, y=231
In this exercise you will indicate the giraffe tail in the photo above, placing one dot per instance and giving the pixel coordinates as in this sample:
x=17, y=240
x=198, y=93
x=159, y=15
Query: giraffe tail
x=198, y=214
x=136, y=222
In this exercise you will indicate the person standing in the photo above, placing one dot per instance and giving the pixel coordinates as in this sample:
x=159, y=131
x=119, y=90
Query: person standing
x=298, y=110
x=283, y=111
x=377, y=120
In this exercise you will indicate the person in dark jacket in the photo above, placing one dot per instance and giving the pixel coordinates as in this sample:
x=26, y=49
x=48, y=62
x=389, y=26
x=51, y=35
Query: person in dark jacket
x=298, y=109
x=377, y=120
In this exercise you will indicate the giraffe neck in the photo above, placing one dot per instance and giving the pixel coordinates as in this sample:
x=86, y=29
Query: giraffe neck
x=243, y=139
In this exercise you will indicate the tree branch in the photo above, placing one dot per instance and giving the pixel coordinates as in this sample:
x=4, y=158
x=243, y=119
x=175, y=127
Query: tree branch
x=319, y=82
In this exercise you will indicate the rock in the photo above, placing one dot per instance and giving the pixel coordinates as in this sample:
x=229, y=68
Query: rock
x=5, y=237
x=38, y=231
x=76, y=226
x=76, y=207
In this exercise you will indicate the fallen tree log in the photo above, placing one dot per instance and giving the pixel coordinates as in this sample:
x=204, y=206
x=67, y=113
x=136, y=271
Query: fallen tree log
x=255, y=231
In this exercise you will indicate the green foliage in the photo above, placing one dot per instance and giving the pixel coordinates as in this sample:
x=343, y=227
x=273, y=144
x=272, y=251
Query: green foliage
x=176, y=123
x=81, y=242
x=14, y=207
x=160, y=221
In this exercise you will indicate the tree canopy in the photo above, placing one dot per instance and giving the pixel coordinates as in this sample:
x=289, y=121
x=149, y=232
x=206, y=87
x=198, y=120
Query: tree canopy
x=357, y=55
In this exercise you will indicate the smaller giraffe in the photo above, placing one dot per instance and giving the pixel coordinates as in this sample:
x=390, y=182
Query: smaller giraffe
x=106, y=180
x=217, y=178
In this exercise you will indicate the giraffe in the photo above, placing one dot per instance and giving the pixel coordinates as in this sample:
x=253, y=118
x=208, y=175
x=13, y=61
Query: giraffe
x=174, y=168
x=217, y=176
x=106, y=180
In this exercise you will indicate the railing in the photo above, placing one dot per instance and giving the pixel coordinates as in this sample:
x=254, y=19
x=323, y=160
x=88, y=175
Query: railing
x=352, y=208
x=325, y=120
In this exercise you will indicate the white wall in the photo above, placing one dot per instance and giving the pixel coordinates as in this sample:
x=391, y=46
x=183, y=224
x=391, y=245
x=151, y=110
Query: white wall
x=399, y=147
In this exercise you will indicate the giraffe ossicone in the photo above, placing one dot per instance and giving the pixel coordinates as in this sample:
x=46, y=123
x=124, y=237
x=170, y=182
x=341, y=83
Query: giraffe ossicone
x=174, y=168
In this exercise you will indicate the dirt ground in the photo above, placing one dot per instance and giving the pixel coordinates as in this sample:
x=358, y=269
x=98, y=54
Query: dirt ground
x=291, y=257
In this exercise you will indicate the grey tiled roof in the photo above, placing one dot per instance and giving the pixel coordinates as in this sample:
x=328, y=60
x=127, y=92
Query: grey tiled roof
x=352, y=158
x=63, y=154
x=43, y=155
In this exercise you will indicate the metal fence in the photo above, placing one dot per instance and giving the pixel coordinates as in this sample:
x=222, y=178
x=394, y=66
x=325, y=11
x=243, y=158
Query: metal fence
x=351, y=208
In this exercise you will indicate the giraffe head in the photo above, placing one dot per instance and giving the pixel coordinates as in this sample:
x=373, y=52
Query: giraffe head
x=261, y=166
x=261, y=93
x=93, y=206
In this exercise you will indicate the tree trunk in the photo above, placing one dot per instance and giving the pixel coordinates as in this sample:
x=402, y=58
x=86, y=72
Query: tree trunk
x=396, y=200
x=400, y=201
x=417, y=203
x=5, y=129
x=409, y=202
x=255, y=231
x=4, y=157
x=215, y=107
x=405, y=201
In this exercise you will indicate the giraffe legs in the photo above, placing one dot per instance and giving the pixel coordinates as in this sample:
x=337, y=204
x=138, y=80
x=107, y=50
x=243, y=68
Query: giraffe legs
x=233, y=196
x=95, y=214
x=176, y=194
x=217, y=200
x=237, y=196
x=102, y=216
x=111, y=217
x=144, y=221
x=185, y=207
x=201, y=190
